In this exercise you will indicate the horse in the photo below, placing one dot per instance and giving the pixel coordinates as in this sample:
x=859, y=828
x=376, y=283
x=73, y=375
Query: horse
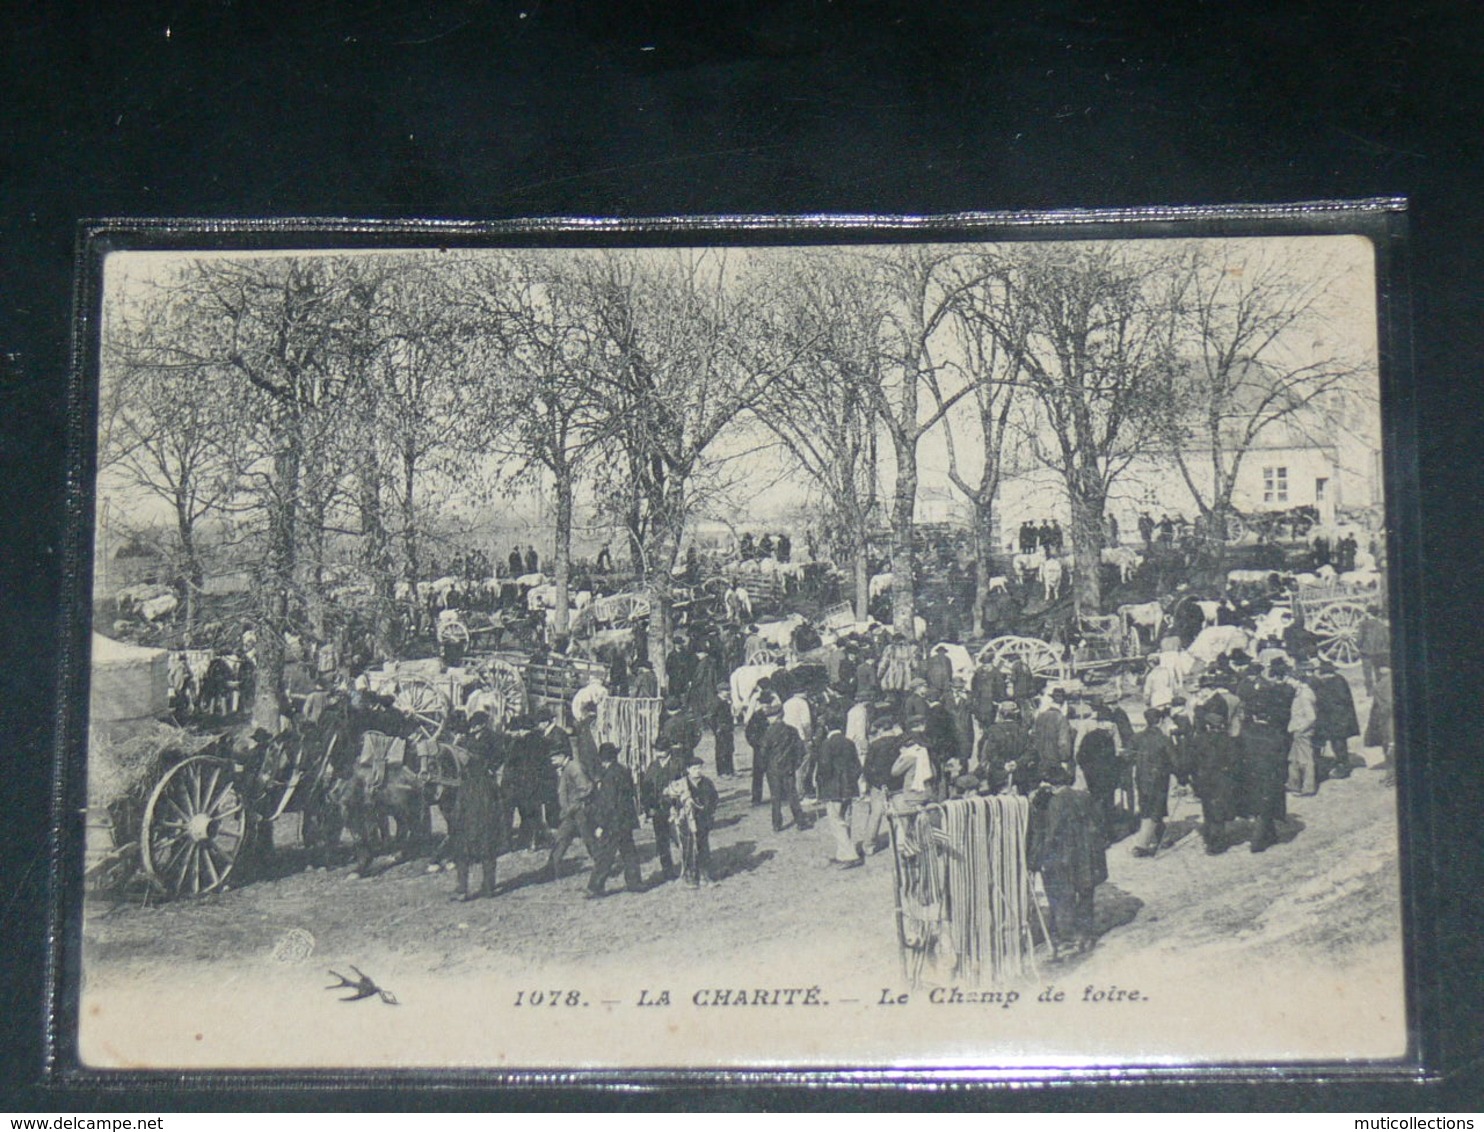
x=390, y=815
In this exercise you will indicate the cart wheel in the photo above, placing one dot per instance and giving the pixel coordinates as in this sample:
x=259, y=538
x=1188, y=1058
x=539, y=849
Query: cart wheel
x=1236, y=529
x=1042, y=657
x=424, y=701
x=1336, y=625
x=195, y=827
x=506, y=690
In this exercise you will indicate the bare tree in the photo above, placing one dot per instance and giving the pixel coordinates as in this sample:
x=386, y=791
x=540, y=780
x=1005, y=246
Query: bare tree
x=994, y=373
x=1250, y=362
x=170, y=426
x=540, y=407
x=824, y=408
x=919, y=292
x=1089, y=328
x=276, y=324
x=686, y=348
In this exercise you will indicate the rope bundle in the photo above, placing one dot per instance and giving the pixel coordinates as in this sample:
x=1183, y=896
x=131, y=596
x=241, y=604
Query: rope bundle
x=631, y=723
x=964, y=895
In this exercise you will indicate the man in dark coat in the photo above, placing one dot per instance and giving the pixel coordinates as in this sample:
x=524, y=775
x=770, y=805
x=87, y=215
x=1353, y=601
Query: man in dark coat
x=516, y=564
x=1064, y=846
x=1214, y=757
x=533, y=563
x=723, y=730
x=615, y=814
x=693, y=801
x=882, y=752
x=1265, y=743
x=785, y=548
x=753, y=731
x=783, y=754
x=939, y=669
x=677, y=730
x=643, y=683
x=1154, y=764
x=1007, y=757
x=987, y=690
x=962, y=714
x=1051, y=733
x=527, y=782
x=1335, y=721
x=837, y=779
x=478, y=825
x=657, y=776
x=1097, y=756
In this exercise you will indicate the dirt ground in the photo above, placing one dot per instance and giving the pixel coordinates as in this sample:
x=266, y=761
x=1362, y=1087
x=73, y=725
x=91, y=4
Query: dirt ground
x=1326, y=897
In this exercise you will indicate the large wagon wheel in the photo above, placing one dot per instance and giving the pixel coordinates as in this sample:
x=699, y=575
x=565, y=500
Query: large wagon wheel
x=1236, y=527
x=503, y=693
x=455, y=631
x=195, y=826
x=424, y=702
x=1337, y=625
x=1042, y=658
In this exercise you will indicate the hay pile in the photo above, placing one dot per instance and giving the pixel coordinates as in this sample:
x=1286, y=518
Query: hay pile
x=128, y=766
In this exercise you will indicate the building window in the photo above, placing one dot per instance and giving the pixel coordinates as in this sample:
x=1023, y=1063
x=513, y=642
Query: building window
x=1321, y=486
x=1275, y=485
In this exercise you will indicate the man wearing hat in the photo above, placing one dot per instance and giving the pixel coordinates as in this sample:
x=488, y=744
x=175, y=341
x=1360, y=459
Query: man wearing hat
x=876, y=775
x=693, y=801
x=615, y=814
x=783, y=754
x=1214, y=760
x=1373, y=640
x=1064, y=846
x=654, y=801
x=676, y=729
x=1007, y=758
x=1335, y=721
x=1302, y=715
x=574, y=795
x=1265, y=745
x=838, y=772
x=723, y=730
x=1051, y=733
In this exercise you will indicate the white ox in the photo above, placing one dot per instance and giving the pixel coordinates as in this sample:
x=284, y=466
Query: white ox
x=999, y=584
x=1026, y=565
x=1209, y=644
x=1272, y=623
x=1144, y=615
x=1209, y=611
x=1051, y=575
x=158, y=607
x=780, y=634
x=1125, y=558
x=880, y=584
x=743, y=683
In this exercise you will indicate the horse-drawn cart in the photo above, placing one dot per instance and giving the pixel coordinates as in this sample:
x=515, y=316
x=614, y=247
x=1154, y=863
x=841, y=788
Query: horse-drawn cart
x=182, y=809
x=1333, y=613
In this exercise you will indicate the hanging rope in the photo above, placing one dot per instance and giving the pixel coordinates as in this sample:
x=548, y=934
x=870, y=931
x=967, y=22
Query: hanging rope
x=964, y=899
x=631, y=723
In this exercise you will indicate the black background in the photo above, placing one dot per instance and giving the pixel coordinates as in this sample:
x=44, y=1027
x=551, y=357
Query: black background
x=494, y=110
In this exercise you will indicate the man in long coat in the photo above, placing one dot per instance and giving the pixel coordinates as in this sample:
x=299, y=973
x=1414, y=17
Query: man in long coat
x=1265, y=745
x=783, y=754
x=1214, y=759
x=837, y=775
x=1051, y=733
x=1154, y=764
x=1064, y=846
x=615, y=813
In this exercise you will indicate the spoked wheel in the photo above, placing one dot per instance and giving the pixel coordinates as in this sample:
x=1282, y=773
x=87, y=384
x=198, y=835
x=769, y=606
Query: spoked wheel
x=1236, y=528
x=424, y=702
x=506, y=690
x=1337, y=626
x=453, y=631
x=195, y=826
x=1041, y=657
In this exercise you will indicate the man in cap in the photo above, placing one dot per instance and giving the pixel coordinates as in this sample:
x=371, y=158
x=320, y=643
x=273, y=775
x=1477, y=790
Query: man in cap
x=876, y=777
x=574, y=795
x=838, y=772
x=652, y=798
x=677, y=731
x=723, y=731
x=1265, y=745
x=1154, y=764
x=1373, y=640
x=782, y=755
x=615, y=814
x=693, y=801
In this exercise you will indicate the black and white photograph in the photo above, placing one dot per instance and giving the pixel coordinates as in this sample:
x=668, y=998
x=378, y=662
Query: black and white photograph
x=877, y=654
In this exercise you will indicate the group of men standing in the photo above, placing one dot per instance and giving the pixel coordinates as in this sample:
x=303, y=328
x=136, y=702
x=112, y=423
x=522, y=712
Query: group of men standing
x=1045, y=536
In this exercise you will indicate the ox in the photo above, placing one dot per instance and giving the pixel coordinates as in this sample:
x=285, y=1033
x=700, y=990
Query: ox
x=1125, y=558
x=1148, y=615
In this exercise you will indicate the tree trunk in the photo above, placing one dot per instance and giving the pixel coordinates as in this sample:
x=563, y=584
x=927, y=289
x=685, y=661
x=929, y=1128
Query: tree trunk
x=192, y=572
x=276, y=585
x=904, y=503
x=862, y=582
x=662, y=552
x=983, y=534
x=562, y=552
x=409, y=539
x=376, y=556
x=1087, y=545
